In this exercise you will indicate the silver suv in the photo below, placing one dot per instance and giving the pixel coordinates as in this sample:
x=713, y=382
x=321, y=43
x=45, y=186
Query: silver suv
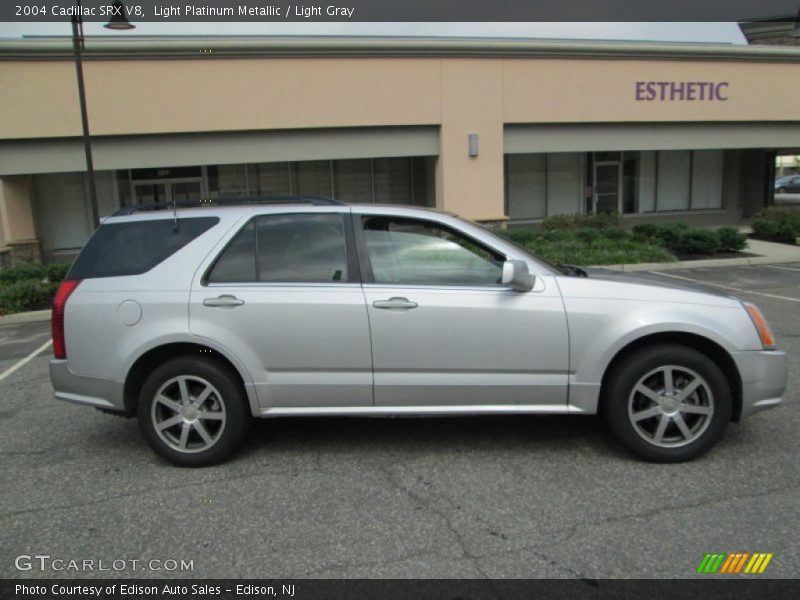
x=199, y=319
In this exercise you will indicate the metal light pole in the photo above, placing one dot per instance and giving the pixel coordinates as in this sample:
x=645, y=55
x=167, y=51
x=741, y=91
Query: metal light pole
x=118, y=21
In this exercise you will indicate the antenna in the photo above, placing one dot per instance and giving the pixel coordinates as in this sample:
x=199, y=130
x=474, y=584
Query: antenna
x=174, y=214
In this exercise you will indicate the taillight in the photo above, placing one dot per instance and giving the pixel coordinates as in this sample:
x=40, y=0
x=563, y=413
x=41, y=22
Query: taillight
x=57, y=321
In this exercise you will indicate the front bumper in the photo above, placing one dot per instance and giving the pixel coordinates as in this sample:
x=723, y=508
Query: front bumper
x=93, y=391
x=764, y=378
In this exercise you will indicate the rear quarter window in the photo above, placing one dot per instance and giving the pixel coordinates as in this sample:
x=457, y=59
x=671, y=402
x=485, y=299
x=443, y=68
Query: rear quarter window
x=133, y=248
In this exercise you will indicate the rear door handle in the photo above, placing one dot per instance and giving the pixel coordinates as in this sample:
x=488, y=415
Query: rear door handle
x=225, y=301
x=395, y=303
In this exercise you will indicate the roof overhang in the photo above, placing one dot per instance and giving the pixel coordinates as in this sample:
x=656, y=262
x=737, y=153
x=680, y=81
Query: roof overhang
x=103, y=47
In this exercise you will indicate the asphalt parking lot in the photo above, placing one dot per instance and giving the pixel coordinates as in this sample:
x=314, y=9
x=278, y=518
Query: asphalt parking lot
x=472, y=497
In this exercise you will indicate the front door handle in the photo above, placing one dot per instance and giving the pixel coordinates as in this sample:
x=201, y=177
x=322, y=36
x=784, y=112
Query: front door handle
x=396, y=303
x=225, y=301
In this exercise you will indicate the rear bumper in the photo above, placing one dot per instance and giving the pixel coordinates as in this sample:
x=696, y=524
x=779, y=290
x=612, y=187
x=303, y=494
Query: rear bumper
x=92, y=391
x=764, y=377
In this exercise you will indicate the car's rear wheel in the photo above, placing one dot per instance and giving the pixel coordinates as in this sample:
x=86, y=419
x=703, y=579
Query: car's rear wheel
x=192, y=412
x=668, y=403
x=781, y=190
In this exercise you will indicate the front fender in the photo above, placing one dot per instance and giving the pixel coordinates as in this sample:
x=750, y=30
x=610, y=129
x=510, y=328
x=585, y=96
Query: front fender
x=601, y=329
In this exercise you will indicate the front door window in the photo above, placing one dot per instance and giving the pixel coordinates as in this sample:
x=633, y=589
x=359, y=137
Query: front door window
x=411, y=252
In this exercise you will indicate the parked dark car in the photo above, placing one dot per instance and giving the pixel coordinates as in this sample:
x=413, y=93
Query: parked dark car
x=787, y=184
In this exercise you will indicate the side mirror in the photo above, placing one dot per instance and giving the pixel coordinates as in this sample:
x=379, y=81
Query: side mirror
x=516, y=276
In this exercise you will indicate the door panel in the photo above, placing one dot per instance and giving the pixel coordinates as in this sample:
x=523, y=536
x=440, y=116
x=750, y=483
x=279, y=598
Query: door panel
x=281, y=297
x=462, y=346
x=445, y=331
x=306, y=345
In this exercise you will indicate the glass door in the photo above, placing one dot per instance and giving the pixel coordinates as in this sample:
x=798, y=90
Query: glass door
x=167, y=190
x=185, y=190
x=148, y=193
x=607, y=187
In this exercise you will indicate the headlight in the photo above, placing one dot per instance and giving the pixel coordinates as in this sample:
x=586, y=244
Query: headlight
x=764, y=332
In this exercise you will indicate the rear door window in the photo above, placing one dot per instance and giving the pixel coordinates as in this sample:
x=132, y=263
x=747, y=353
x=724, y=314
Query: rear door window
x=135, y=247
x=298, y=248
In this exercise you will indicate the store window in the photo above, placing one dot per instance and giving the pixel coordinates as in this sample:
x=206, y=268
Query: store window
x=673, y=188
x=526, y=186
x=352, y=180
x=269, y=179
x=707, y=177
x=392, y=180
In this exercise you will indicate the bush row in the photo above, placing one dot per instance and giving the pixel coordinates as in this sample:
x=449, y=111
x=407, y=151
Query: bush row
x=677, y=238
x=777, y=224
x=29, y=286
x=682, y=239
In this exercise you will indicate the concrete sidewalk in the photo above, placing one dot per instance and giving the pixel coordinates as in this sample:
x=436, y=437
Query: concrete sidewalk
x=765, y=253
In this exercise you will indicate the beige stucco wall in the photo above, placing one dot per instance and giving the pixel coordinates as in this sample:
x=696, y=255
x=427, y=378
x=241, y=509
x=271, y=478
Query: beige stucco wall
x=460, y=95
x=565, y=91
x=158, y=96
x=155, y=96
x=16, y=210
x=472, y=102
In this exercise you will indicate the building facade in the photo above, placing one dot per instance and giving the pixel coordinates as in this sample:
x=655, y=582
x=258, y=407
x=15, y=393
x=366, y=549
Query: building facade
x=497, y=131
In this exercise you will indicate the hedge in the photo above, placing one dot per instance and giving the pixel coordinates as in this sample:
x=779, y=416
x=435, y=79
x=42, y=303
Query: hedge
x=29, y=286
x=777, y=224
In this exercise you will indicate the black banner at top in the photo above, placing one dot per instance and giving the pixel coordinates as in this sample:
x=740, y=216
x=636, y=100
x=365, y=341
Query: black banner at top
x=339, y=11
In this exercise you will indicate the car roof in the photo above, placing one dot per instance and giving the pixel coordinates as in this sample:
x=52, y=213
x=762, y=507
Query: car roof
x=234, y=208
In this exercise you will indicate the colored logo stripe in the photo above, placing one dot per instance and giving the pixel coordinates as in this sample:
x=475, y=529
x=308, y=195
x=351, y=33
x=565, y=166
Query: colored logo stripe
x=711, y=562
x=758, y=563
x=721, y=562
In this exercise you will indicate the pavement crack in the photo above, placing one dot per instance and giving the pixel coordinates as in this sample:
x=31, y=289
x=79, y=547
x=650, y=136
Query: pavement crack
x=427, y=503
x=570, y=532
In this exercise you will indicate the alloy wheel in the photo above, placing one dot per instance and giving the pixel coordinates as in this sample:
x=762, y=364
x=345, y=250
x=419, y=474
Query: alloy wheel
x=188, y=414
x=671, y=406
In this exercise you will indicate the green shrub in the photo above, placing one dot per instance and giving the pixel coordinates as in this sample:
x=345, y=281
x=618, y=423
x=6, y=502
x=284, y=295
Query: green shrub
x=670, y=234
x=774, y=231
x=22, y=272
x=617, y=234
x=31, y=294
x=588, y=235
x=520, y=236
x=777, y=224
x=645, y=231
x=731, y=239
x=697, y=241
x=599, y=221
x=559, y=222
x=57, y=271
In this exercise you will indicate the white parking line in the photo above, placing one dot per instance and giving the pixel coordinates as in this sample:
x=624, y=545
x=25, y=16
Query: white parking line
x=783, y=268
x=26, y=360
x=727, y=287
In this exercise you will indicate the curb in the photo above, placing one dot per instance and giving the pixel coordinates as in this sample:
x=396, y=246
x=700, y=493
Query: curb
x=695, y=264
x=26, y=317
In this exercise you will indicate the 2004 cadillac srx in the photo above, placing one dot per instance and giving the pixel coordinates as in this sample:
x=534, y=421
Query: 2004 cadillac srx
x=198, y=318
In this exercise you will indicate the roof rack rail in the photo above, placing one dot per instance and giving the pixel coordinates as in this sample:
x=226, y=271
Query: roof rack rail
x=228, y=201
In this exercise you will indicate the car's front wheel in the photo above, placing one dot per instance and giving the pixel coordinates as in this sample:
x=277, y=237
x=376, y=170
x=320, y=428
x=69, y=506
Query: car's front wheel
x=668, y=403
x=781, y=190
x=192, y=412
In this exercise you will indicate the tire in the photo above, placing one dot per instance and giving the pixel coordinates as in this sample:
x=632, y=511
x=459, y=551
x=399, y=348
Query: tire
x=201, y=410
x=781, y=190
x=663, y=427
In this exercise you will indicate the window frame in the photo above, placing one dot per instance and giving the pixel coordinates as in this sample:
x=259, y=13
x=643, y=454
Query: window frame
x=368, y=278
x=351, y=257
